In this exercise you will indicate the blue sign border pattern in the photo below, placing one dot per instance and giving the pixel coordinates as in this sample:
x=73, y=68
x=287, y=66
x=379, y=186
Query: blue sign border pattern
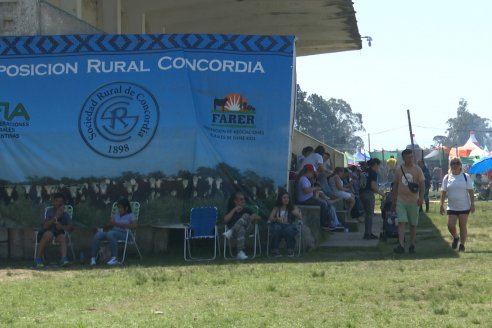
x=106, y=43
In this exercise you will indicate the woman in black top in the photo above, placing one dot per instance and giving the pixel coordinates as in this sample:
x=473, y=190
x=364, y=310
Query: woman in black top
x=367, y=195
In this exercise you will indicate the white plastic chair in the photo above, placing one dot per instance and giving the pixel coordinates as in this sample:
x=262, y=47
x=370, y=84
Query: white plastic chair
x=69, y=210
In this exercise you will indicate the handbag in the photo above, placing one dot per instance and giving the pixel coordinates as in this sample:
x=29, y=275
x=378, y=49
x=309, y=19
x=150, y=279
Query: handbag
x=414, y=187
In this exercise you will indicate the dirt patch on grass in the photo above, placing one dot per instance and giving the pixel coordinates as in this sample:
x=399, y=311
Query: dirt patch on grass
x=22, y=274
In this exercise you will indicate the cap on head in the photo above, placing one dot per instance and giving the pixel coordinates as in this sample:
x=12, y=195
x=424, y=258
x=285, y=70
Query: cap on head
x=310, y=167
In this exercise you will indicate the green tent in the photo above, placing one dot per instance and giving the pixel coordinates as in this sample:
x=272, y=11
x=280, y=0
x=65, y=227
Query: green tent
x=384, y=155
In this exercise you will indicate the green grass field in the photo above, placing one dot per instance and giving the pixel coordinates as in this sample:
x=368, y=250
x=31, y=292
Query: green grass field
x=437, y=287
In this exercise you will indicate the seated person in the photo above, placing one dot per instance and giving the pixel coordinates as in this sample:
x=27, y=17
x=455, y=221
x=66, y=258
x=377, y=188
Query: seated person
x=55, y=223
x=306, y=151
x=282, y=223
x=306, y=196
x=115, y=230
x=239, y=220
x=481, y=187
x=339, y=190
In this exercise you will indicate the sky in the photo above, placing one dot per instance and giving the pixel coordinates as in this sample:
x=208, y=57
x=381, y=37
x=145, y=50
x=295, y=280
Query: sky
x=425, y=56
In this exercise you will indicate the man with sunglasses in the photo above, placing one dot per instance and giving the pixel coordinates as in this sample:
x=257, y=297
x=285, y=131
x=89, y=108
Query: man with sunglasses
x=239, y=219
x=407, y=202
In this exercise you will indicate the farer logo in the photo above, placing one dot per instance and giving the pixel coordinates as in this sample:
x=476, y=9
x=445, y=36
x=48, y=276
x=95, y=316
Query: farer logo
x=119, y=119
x=233, y=111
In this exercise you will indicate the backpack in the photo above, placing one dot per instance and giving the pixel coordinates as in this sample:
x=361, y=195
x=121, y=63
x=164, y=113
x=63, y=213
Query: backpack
x=363, y=177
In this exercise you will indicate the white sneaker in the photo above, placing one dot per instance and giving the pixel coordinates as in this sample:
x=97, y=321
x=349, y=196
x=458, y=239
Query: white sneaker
x=228, y=234
x=93, y=261
x=113, y=261
x=241, y=256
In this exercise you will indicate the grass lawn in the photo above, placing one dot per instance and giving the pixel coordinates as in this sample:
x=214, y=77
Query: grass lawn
x=437, y=287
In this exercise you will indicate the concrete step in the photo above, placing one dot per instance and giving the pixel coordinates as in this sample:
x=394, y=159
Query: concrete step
x=355, y=236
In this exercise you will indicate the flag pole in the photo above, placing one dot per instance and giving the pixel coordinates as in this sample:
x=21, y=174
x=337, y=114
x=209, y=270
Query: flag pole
x=411, y=133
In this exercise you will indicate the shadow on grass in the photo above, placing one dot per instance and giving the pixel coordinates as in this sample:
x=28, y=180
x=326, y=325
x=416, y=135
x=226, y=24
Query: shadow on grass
x=430, y=245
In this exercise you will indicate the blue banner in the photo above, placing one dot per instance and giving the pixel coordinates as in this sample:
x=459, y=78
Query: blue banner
x=75, y=109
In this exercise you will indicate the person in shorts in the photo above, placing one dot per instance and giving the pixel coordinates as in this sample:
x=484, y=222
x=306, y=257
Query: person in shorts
x=405, y=201
x=55, y=222
x=457, y=186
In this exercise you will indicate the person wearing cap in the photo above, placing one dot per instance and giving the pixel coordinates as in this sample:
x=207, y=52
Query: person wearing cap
x=306, y=196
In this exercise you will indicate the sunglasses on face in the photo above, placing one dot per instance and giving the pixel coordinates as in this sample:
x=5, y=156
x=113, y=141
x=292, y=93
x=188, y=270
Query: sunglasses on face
x=455, y=163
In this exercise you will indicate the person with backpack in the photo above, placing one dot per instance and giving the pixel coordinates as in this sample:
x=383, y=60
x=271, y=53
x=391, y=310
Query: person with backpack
x=457, y=187
x=368, y=186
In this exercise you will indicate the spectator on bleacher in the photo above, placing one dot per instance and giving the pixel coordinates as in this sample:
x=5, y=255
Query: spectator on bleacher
x=327, y=165
x=316, y=159
x=428, y=180
x=457, y=186
x=367, y=195
x=306, y=195
x=282, y=224
x=306, y=151
x=339, y=190
x=239, y=220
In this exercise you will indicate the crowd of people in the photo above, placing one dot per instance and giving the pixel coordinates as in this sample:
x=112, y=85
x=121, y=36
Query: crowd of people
x=317, y=183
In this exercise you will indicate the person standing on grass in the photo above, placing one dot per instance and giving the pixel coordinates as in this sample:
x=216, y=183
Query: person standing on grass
x=407, y=201
x=457, y=186
x=367, y=195
x=428, y=180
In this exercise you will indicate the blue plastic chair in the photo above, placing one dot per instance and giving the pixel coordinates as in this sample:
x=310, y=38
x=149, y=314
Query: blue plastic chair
x=203, y=225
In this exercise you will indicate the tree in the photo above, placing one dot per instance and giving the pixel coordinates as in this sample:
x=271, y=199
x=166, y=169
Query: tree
x=460, y=127
x=331, y=121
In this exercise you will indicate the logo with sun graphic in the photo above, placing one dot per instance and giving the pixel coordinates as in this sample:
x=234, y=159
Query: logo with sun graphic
x=233, y=110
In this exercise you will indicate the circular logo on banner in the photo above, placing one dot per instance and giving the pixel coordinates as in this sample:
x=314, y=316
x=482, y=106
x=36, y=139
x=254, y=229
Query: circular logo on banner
x=119, y=119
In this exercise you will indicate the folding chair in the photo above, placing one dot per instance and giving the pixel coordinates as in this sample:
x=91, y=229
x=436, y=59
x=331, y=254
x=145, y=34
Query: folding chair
x=131, y=234
x=37, y=236
x=203, y=225
x=255, y=235
x=298, y=242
